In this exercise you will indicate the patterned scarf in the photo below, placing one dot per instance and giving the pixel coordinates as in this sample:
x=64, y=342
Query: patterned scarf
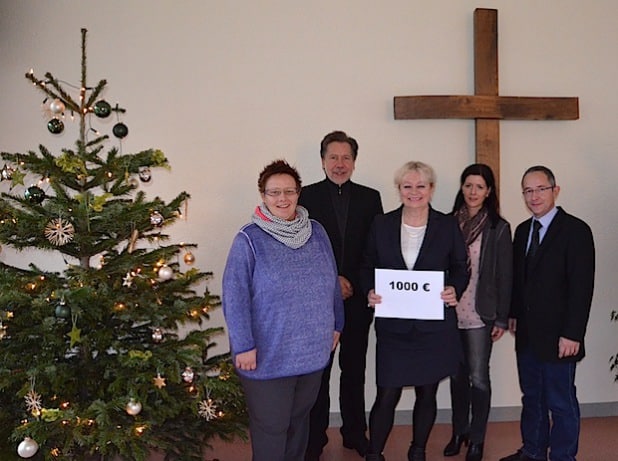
x=293, y=234
x=471, y=227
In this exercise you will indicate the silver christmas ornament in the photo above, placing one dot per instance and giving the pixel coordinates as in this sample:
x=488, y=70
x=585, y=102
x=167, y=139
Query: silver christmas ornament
x=133, y=408
x=27, y=448
x=157, y=335
x=144, y=173
x=165, y=272
x=7, y=173
x=156, y=219
x=56, y=106
x=188, y=375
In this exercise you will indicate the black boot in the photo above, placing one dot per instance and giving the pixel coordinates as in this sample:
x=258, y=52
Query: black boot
x=453, y=447
x=475, y=452
x=416, y=453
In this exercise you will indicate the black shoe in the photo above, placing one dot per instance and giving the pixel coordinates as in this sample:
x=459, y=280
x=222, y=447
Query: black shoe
x=475, y=452
x=518, y=456
x=372, y=457
x=360, y=444
x=416, y=453
x=453, y=447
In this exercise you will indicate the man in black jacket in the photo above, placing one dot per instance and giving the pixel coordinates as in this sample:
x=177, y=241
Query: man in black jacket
x=553, y=281
x=346, y=210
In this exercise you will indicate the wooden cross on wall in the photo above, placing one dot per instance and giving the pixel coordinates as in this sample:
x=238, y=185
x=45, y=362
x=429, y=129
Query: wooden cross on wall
x=486, y=107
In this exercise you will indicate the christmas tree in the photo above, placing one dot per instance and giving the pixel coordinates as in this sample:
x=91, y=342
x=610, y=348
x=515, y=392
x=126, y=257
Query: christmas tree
x=108, y=357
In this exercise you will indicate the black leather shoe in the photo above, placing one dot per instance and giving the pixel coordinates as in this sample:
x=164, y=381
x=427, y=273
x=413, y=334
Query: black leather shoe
x=372, y=457
x=360, y=445
x=475, y=452
x=453, y=447
x=416, y=453
x=518, y=456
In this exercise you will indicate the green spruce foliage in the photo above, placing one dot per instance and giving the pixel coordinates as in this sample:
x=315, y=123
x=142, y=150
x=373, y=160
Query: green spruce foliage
x=106, y=358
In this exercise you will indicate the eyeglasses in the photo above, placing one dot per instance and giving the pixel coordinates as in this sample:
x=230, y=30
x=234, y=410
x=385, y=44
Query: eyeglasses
x=278, y=192
x=539, y=190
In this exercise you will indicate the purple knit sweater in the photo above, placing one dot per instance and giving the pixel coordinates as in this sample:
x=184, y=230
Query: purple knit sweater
x=285, y=303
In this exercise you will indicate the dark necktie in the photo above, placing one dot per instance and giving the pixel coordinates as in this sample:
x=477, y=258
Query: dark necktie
x=534, y=242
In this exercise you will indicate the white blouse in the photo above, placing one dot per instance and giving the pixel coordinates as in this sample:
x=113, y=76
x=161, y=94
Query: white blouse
x=411, y=241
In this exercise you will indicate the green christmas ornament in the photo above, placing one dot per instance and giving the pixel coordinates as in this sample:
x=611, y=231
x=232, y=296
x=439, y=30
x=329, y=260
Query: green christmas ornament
x=120, y=130
x=102, y=109
x=62, y=310
x=35, y=195
x=55, y=126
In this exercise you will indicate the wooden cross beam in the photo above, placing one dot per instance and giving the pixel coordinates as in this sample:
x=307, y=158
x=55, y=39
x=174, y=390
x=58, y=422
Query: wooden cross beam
x=486, y=107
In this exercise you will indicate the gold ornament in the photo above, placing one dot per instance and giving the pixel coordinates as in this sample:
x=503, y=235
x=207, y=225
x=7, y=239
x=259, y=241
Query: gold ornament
x=189, y=258
x=159, y=381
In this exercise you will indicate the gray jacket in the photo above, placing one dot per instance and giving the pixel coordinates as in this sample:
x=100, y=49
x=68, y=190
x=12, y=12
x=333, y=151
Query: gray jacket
x=493, y=290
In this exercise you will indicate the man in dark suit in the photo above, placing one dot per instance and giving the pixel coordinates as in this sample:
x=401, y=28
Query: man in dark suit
x=346, y=210
x=554, y=260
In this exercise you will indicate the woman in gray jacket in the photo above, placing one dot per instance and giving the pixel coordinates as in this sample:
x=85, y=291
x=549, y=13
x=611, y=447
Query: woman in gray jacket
x=482, y=312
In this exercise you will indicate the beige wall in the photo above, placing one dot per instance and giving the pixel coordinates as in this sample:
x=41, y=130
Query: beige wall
x=223, y=87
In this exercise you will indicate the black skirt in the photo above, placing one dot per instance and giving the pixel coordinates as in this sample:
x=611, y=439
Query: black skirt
x=416, y=352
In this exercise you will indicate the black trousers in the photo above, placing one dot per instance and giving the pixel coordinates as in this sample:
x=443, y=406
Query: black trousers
x=352, y=362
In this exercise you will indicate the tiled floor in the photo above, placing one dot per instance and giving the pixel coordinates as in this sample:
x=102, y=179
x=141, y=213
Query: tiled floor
x=598, y=442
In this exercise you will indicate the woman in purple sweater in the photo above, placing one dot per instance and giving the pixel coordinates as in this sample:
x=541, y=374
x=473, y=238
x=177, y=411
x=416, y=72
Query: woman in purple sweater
x=284, y=312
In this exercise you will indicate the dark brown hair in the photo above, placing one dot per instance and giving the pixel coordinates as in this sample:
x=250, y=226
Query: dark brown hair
x=491, y=203
x=277, y=167
x=338, y=136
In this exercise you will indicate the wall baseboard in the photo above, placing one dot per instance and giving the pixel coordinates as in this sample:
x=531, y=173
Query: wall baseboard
x=588, y=410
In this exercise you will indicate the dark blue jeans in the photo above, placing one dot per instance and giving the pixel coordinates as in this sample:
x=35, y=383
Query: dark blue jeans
x=471, y=387
x=548, y=389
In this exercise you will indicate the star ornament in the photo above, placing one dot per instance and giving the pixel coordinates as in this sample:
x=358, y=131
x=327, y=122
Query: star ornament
x=159, y=381
x=17, y=178
x=127, y=281
x=75, y=335
x=33, y=401
x=59, y=231
x=207, y=409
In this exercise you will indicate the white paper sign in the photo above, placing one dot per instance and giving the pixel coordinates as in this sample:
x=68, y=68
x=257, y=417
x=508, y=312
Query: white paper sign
x=409, y=294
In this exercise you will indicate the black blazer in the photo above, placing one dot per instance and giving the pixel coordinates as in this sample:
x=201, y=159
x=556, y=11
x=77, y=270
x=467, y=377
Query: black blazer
x=554, y=298
x=443, y=249
x=365, y=204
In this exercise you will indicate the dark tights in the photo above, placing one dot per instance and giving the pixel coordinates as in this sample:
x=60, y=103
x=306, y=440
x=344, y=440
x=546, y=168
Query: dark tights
x=382, y=415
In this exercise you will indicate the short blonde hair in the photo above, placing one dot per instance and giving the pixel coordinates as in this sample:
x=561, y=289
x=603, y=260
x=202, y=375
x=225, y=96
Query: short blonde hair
x=422, y=168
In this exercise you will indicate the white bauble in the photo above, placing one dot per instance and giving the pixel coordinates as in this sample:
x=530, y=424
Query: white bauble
x=56, y=106
x=165, y=272
x=27, y=448
x=133, y=408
